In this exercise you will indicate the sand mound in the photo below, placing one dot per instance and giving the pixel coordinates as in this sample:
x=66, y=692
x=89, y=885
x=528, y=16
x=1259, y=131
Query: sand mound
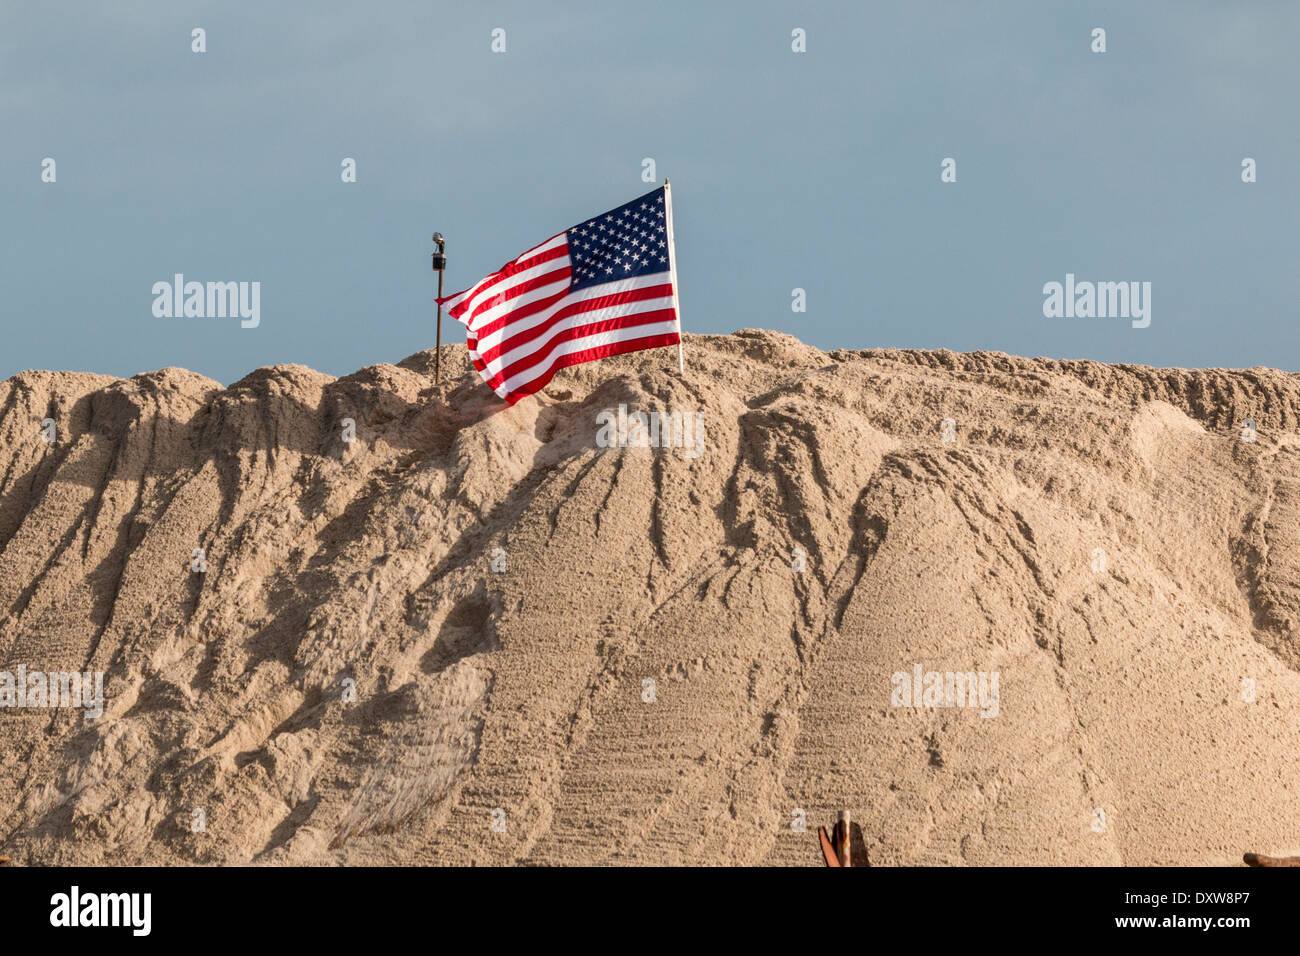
x=649, y=679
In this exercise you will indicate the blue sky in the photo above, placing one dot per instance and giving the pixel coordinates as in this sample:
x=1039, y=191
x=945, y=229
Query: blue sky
x=817, y=170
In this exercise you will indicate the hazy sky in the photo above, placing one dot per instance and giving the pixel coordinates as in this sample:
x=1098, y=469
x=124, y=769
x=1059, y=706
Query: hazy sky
x=818, y=170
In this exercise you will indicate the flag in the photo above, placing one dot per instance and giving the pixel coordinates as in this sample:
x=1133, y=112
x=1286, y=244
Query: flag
x=603, y=287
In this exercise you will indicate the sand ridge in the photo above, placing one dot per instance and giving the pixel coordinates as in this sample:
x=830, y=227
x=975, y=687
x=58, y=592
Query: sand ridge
x=502, y=717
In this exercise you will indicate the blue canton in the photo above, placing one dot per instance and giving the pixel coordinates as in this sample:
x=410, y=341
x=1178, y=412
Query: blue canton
x=626, y=242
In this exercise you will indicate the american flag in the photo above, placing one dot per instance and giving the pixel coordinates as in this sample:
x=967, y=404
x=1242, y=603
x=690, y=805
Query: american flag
x=604, y=287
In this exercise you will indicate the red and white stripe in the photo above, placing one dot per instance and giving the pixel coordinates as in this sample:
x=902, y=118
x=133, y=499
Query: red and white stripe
x=522, y=324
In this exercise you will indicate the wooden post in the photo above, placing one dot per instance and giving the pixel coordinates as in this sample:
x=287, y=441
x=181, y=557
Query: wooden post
x=672, y=269
x=842, y=841
x=1259, y=859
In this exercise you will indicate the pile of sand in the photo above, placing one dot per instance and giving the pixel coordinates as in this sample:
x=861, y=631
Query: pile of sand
x=1101, y=538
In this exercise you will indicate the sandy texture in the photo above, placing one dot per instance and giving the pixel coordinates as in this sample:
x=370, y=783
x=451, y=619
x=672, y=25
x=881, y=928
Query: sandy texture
x=1120, y=689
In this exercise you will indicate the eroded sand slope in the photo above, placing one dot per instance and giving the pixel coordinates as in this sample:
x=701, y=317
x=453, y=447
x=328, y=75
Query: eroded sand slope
x=1120, y=689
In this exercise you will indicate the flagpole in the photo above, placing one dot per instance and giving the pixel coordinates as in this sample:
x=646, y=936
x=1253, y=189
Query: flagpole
x=672, y=269
x=439, y=264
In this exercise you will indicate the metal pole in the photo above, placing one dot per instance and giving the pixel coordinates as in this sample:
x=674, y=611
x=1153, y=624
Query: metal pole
x=439, y=264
